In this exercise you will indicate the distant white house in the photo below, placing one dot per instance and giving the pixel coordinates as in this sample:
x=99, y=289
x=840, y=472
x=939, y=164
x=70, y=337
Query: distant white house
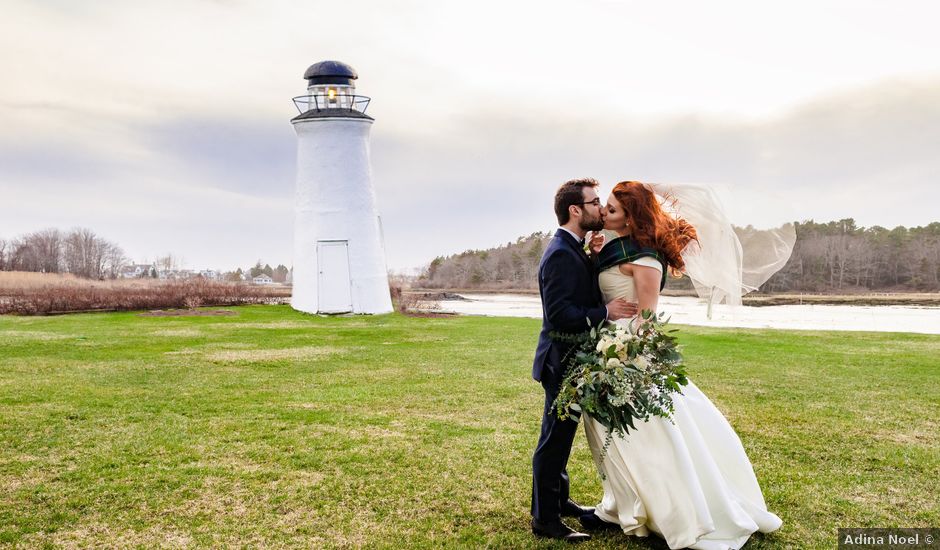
x=262, y=280
x=175, y=274
x=136, y=271
x=210, y=274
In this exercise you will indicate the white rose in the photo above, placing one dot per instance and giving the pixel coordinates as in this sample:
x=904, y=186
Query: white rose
x=614, y=363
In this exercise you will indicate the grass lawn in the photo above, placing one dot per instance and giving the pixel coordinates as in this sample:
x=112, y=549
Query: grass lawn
x=272, y=428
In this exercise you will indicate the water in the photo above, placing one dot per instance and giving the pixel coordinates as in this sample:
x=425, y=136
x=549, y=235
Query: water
x=691, y=311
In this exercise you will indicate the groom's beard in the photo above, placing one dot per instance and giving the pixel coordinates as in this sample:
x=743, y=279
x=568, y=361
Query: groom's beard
x=592, y=224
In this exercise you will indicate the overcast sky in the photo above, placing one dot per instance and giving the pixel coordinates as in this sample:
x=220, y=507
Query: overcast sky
x=164, y=126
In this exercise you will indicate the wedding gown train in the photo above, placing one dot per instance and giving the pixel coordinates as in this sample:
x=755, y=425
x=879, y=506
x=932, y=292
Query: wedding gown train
x=688, y=480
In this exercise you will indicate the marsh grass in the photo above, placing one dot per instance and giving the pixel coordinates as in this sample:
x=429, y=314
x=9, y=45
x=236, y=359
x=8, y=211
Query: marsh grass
x=272, y=428
x=53, y=293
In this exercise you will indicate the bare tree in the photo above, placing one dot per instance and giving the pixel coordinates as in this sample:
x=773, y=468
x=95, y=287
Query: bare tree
x=83, y=253
x=4, y=254
x=40, y=251
x=168, y=262
x=90, y=256
x=114, y=260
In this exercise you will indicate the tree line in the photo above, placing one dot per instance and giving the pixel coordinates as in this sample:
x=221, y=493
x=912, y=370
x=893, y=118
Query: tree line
x=837, y=256
x=79, y=251
x=840, y=256
x=82, y=253
x=510, y=266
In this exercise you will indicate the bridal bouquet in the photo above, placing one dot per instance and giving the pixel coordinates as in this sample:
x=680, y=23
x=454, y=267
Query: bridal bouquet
x=618, y=375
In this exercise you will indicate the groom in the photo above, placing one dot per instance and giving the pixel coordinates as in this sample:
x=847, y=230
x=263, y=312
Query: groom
x=571, y=299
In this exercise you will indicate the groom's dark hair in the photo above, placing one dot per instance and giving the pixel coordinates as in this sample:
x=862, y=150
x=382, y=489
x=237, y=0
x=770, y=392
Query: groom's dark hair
x=571, y=192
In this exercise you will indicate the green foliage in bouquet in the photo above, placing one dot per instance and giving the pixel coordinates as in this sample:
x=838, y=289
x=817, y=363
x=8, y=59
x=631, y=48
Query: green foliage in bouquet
x=618, y=375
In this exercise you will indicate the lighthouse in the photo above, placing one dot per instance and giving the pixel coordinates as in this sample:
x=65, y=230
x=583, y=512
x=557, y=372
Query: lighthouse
x=339, y=256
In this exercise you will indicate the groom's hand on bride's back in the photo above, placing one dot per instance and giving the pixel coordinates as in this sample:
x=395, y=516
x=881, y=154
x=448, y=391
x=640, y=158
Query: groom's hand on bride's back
x=621, y=309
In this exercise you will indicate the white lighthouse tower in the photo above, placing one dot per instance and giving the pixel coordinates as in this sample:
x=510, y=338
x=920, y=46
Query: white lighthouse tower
x=339, y=257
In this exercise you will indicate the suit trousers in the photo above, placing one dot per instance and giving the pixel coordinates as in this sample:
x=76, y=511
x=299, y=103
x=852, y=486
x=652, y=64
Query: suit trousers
x=550, y=484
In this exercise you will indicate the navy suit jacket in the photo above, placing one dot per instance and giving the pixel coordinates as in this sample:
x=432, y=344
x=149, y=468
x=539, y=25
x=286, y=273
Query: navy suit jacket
x=571, y=296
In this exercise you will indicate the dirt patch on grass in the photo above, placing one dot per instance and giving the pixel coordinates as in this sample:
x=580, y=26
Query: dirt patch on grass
x=229, y=345
x=11, y=484
x=424, y=338
x=925, y=433
x=304, y=478
x=189, y=313
x=310, y=406
x=35, y=335
x=271, y=325
x=430, y=314
x=221, y=498
x=187, y=351
x=295, y=324
x=223, y=346
x=238, y=356
x=177, y=332
x=100, y=534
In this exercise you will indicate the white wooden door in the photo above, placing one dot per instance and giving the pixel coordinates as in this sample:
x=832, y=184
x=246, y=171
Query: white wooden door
x=334, y=287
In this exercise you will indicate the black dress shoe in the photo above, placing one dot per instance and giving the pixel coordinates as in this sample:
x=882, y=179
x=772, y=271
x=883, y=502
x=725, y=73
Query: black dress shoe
x=591, y=522
x=572, y=509
x=557, y=530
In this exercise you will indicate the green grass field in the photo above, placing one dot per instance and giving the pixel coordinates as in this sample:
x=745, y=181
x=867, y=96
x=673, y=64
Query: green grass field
x=272, y=428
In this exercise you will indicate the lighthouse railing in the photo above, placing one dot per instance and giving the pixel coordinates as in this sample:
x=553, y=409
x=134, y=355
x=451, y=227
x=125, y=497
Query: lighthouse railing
x=321, y=102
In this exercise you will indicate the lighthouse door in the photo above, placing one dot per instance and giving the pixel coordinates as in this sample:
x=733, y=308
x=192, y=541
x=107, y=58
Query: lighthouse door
x=334, y=286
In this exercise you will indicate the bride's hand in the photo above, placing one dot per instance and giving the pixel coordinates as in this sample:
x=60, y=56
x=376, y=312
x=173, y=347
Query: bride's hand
x=596, y=242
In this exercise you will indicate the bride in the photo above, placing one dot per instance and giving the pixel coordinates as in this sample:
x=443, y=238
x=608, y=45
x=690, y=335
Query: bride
x=688, y=480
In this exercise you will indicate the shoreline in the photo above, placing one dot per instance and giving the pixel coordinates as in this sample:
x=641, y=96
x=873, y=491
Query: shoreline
x=755, y=299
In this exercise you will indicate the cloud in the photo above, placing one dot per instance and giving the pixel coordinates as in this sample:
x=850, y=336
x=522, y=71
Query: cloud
x=878, y=132
x=199, y=160
x=57, y=166
x=215, y=191
x=488, y=177
x=244, y=155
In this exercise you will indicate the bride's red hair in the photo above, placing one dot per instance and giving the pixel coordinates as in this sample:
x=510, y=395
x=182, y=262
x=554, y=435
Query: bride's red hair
x=653, y=227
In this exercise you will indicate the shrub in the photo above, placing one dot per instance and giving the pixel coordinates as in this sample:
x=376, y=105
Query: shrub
x=63, y=296
x=404, y=300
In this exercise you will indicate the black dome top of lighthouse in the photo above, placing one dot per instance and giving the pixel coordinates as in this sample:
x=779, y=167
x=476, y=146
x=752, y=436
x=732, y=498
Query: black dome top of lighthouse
x=330, y=72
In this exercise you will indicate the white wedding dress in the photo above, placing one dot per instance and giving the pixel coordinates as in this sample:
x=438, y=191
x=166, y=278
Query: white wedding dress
x=689, y=481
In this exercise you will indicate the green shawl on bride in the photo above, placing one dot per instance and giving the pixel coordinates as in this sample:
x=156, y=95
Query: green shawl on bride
x=625, y=250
